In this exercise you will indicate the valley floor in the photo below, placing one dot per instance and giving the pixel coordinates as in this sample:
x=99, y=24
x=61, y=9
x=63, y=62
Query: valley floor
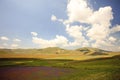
x=107, y=68
x=71, y=56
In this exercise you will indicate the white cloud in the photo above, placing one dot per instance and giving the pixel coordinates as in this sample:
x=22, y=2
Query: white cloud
x=78, y=10
x=34, y=33
x=16, y=40
x=86, y=44
x=66, y=22
x=112, y=39
x=103, y=16
x=115, y=29
x=97, y=34
x=74, y=31
x=53, y=18
x=9, y=44
x=102, y=43
x=59, y=41
x=100, y=21
x=100, y=31
x=4, y=38
x=14, y=45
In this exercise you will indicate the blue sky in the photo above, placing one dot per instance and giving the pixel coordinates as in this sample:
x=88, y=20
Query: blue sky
x=50, y=18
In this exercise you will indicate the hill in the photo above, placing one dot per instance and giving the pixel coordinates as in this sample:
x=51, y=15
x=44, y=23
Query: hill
x=57, y=50
x=52, y=50
x=49, y=50
x=57, y=53
x=5, y=51
x=92, y=51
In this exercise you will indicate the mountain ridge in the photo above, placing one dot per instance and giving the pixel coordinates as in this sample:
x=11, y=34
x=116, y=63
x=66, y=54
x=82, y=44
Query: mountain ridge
x=57, y=50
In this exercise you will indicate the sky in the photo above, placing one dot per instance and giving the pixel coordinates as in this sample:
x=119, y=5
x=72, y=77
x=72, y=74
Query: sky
x=68, y=24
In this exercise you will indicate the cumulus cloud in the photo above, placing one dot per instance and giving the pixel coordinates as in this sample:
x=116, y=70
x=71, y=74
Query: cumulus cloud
x=78, y=10
x=59, y=41
x=10, y=43
x=98, y=32
x=53, y=18
x=99, y=20
x=76, y=32
x=16, y=40
x=115, y=29
x=102, y=16
x=94, y=28
x=34, y=33
x=4, y=38
x=102, y=43
x=112, y=39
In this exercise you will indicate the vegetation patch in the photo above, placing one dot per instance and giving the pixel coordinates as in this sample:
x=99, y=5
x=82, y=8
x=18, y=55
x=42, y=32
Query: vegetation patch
x=48, y=69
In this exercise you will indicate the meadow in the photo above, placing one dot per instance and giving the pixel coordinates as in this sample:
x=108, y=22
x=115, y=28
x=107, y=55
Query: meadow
x=45, y=69
x=59, y=64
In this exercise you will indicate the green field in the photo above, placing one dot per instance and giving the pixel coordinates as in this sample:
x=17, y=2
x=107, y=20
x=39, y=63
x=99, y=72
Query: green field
x=93, y=69
x=59, y=64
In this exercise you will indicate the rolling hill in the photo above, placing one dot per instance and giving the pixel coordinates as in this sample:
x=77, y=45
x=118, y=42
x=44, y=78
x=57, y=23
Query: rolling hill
x=92, y=51
x=84, y=53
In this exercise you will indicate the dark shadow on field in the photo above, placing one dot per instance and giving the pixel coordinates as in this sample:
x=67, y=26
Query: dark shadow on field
x=11, y=59
x=98, y=53
x=52, y=60
x=6, y=62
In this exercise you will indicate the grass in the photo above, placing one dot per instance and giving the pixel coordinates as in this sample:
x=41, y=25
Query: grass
x=93, y=69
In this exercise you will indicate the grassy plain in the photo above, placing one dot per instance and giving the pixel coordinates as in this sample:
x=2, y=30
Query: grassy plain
x=65, y=65
x=94, y=69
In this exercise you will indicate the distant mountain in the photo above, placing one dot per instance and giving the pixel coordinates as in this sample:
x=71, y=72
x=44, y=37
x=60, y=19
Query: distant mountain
x=92, y=51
